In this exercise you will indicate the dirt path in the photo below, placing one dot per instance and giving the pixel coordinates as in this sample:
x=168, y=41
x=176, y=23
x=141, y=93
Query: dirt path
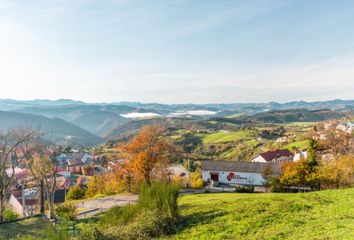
x=95, y=206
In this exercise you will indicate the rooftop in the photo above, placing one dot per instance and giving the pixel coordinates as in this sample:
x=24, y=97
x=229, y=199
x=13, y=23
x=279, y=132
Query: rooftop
x=232, y=166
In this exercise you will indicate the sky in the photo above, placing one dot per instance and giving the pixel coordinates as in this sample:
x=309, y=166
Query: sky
x=177, y=51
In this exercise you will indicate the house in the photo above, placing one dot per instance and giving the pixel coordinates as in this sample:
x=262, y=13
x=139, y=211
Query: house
x=62, y=183
x=74, y=166
x=277, y=156
x=19, y=173
x=300, y=155
x=30, y=202
x=237, y=173
x=177, y=170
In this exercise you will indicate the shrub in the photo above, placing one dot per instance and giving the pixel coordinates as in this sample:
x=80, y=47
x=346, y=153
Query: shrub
x=161, y=196
x=75, y=192
x=91, y=234
x=145, y=225
x=66, y=212
x=196, y=180
x=10, y=215
x=155, y=213
x=275, y=185
x=119, y=215
x=245, y=189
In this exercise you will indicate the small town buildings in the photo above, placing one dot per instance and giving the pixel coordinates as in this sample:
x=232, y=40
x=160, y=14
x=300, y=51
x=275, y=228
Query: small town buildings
x=346, y=127
x=237, y=173
x=277, y=156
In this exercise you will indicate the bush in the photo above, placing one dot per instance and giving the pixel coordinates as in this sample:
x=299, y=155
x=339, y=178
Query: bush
x=10, y=215
x=160, y=196
x=244, y=189
x=275, y=185
x=119, y=215
x=75, y=193
x=66, y=212
x=145, y=225
x=196, y=180
x=92, y=234
x=155, y=213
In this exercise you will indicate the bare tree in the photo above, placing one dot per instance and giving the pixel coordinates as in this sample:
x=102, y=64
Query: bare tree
x=44, y=168
x=10, y=158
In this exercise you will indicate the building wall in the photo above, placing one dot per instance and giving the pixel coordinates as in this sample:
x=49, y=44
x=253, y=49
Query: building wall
x=15, y=205
x=275, y=160
x=241, y=178
x=259, y=159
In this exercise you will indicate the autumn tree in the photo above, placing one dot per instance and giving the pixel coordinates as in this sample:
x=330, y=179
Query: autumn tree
x=338, y=172
x=300, y=174
x=148, y=152
x=11, y=157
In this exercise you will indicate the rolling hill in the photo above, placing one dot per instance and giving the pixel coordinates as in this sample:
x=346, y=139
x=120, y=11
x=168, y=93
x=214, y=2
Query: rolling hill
x=287, y=116
x=56, y=130
x=100, y=122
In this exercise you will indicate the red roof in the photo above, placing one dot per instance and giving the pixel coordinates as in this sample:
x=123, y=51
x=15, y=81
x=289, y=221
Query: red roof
x=269, y=156
x=82, y=181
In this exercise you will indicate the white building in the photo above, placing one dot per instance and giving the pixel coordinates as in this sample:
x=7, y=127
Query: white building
x=300, y=155
x=237, y=173
x=277, y=156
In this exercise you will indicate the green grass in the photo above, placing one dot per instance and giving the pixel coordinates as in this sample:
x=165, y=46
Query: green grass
x=304, y=144
x=251, y=142
x=301, y=124
x=28, y=227
x=316, y=215
x=235, y=115
x=220, y=137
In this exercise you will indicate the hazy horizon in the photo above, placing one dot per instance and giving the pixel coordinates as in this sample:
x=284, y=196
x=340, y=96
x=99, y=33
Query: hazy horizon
x=116, y=102
x=177, y=51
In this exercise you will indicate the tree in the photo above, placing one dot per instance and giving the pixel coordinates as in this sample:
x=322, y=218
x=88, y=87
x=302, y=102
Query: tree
x=300, y=174
x=338, y=172
x=75, y=192
x=196, y=180
x=148, y=152
x=267, y=175
x=337, y=141
x=44, y=168
x=11, y=157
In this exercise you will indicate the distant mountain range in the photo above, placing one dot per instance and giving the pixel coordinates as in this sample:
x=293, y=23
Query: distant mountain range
x=85, y=124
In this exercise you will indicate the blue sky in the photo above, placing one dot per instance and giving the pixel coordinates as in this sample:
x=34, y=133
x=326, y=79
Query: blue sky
x=177, y=51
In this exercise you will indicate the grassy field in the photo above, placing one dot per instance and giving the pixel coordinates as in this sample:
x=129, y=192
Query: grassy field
x=316, y=215
x=304, y=144
x=31, y=226
x=220, y=137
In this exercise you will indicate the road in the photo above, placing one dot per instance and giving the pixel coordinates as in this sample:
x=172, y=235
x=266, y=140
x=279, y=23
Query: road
x=92, y=207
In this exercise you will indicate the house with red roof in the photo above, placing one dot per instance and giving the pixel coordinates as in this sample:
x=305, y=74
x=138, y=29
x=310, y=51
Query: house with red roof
x=277, y=156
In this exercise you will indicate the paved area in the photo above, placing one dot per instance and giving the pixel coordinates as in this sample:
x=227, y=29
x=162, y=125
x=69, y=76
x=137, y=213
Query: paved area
x=95, y=206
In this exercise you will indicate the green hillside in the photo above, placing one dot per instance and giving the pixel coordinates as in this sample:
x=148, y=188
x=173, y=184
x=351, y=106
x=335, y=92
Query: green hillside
x=226, y=136
x=316, y=215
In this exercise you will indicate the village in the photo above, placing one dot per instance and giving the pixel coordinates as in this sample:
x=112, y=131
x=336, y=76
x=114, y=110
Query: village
x=75, y=168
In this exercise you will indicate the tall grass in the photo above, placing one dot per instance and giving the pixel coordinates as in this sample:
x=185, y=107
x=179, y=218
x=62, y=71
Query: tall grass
x=160, y=196
x=155, y=213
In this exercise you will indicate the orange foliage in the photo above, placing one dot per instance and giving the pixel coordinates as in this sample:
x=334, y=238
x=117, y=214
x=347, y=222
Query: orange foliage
x=148, y=153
